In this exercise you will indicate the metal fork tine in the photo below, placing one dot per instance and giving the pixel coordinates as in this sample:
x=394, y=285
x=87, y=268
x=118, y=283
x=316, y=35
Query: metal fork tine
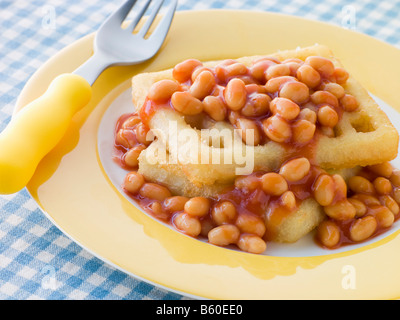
x=138, y=16
x=163, y=26
x=150, y=18
x=119, y=15
x=114, y=45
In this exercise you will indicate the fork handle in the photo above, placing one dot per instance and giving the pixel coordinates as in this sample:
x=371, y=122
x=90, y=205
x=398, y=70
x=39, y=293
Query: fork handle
x=37, y=129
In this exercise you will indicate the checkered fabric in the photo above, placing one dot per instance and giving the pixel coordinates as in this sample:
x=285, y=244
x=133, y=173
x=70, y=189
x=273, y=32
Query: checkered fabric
x=37, y=261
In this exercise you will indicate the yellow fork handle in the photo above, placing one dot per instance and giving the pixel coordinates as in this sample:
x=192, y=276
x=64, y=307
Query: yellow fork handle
x=37, y=129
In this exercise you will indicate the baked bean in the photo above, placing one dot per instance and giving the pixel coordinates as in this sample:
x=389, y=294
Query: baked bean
x=158, y=210
x=182, y=72
x=341, y=75
x=251, y=244
x=255, y=88
x=175, y=204
x=396, y=194
x=360, y=207
x=286, y=108
x=349, y=103
x=296, y=91
x=247, y=183
x=247, y=80
x=223, y=212
x=340, y=210
x=197, y=206
x=302, y=131
x=141, y=132
x=125, y=138
x=273, y=184
x=323, y=65
x=382, y=185
x=236, y=69
x=296, y=169
x=163, y=90
x=390, y=203
x=224, y=235
x=327, y=116
x=328, y=233
x=249, y=131
x=293, y=67
x=324, y=97
x=275, y=84
x=220, y=70
x=367, y=199
x=363, y=228
x=257, y=70
x=359, y=184
x=277, y=129
x=203, y=85
x=257, y=105
x=288, y=200
x=233, y=116
x=185, y=103
x=249, y=223
x=133, y=182
x=131, y=122
x=308, y=114
x=154, y=191
x=324, y=190
x=187, y=224
x=131, y=157
x=384, y=169
x=277, y=70
x=215, y=108
x=341, y=186
x=309, y=76
x=395, y=177
x=336, y=89
x=383, y=216
x=235, y=94
x=196, y=72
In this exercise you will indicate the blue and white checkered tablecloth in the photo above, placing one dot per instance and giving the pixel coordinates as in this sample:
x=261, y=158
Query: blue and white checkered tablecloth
x=37, y=261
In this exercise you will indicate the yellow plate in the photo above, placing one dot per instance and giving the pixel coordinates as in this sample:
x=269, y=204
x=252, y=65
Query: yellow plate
x=73, y=189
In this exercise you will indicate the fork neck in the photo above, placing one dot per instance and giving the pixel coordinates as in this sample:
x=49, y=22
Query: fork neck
x=94, y=66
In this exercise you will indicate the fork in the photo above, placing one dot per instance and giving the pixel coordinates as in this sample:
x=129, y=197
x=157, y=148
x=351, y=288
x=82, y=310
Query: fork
x=39, y=126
